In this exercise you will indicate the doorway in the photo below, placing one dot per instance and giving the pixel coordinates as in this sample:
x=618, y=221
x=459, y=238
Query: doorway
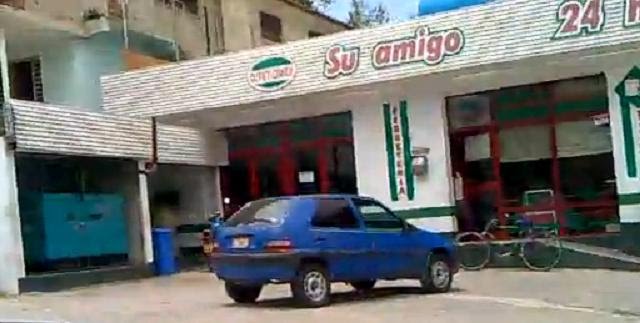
x=296, y=157
x=537, y=151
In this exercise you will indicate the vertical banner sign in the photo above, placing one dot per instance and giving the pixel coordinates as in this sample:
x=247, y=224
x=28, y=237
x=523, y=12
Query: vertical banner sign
x=398, y=142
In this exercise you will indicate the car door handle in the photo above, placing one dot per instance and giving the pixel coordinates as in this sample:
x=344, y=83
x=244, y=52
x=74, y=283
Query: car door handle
x=318, y=240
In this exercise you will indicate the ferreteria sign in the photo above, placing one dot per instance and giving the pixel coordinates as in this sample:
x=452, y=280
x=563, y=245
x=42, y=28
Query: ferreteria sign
x=272, y=74
x=430, y=47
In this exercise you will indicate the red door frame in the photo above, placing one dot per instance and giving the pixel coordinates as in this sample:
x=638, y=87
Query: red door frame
x=559, y=205
x=287, y=165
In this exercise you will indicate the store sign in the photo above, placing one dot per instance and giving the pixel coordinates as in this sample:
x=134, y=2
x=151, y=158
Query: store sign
x=579, y=17
x=426, y=46
x=585, y=17
x=272, y=74
x=341, y=60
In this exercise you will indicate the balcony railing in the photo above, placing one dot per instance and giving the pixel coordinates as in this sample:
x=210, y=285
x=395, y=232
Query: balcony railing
x=18, y=4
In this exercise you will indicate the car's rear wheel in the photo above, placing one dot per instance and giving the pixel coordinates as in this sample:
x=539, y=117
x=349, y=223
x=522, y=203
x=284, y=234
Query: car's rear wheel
x=438, y=275
x=242, y=294
x=363, y=286
x=312, y=287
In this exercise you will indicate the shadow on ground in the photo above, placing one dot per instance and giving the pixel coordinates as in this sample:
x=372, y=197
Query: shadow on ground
x=376, y=295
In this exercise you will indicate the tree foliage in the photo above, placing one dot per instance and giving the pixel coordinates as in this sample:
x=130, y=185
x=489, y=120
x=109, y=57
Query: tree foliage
x=316, y=4
x=362, y=16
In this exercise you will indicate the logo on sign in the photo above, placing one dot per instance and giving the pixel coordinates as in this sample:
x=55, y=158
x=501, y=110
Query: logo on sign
x=272, y=74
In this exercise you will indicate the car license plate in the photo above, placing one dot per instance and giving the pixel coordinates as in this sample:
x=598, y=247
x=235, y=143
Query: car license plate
x=240, y=243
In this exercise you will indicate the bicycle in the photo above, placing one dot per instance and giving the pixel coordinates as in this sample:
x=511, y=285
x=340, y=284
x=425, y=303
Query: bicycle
x=538, y=246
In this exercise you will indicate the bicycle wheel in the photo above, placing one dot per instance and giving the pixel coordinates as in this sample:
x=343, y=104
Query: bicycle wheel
x=541, y=251
x=474, y=250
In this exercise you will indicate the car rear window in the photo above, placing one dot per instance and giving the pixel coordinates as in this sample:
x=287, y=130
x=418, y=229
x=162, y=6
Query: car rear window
x=269, y=212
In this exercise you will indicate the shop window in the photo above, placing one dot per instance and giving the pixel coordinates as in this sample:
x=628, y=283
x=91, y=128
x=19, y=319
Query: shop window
x=583, y=95
x=270, y=27
x=334, y=213
x=26, y=80
x=525, y=162
x=477, y=158
x=342, y=175
x=468, y=111
x=569, y=177
x=268, y=176
x=521, y=103
x=585, y=158
x=308, y=180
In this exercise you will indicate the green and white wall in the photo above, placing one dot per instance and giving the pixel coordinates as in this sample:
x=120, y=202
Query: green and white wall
x=624, y=107
x=427, y=201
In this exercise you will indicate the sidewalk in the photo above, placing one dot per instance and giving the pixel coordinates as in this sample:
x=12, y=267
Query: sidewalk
x=13, y=310
x=489, y=296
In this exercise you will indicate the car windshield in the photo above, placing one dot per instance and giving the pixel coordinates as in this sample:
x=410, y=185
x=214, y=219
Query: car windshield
x=269, y=211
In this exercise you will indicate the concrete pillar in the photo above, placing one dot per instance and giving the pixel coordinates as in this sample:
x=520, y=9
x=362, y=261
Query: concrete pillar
x=11, y=253
x=145, y=215
x=628, y=186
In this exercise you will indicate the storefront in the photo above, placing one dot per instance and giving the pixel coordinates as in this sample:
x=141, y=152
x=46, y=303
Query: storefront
x=83, y=192
x=543, y=150
x=531, y=106
x=303, y=156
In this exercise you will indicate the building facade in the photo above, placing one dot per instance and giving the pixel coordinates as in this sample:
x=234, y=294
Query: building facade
x=85, y=187
x=528, y=105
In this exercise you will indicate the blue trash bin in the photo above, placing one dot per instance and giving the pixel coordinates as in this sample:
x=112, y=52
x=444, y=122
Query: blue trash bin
x=163, y=252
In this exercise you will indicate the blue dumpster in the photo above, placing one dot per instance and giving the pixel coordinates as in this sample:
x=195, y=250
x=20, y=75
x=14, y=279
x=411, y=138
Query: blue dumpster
x=163, y=252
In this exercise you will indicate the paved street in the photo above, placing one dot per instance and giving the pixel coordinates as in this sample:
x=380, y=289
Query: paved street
x=488, y=296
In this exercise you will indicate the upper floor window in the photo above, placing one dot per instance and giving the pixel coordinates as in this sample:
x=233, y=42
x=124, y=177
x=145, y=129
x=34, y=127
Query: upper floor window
x=270, y=27
x=190, y=6
x=25, y=80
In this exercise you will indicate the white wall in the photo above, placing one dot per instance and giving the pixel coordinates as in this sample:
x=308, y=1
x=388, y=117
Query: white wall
x=11, y=254
x=427, y=129
x=626, y=185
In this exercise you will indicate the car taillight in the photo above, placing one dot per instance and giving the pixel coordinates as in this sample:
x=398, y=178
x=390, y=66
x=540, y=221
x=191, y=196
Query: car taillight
x=279, y=246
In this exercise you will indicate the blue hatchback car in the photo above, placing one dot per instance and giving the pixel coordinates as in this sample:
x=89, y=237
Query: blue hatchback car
x=312, y=241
